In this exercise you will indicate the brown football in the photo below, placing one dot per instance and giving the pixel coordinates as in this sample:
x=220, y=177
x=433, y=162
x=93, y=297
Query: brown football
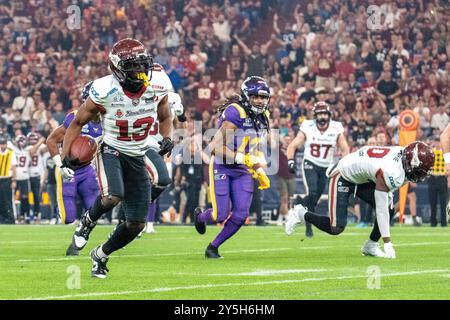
x=83, y=149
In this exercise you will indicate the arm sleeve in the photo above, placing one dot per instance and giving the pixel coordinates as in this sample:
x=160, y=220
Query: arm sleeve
x=13, y=159
x=68, y=119
x=97, y=93
x=382, y=212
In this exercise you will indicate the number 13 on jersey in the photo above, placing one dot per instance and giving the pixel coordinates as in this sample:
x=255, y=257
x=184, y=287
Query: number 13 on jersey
x=140, y=129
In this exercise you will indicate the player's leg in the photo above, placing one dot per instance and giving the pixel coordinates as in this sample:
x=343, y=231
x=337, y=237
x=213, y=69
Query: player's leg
x=22, y=186
x=311, y=182
x=110, y=178
x=241, y=192
x=87, y=186
x=219, y=189
x=135, y=203
x=35, y=185
x=284, y=199
x=158, y=172
x=66, y=198
x=442, y=185
x=433, y=197
x=151, y=214
x=412, y=200
x=338, y=196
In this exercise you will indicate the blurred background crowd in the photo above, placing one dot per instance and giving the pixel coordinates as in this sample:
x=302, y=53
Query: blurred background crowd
x=369, y=66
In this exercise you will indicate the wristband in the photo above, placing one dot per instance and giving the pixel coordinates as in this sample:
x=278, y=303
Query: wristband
x=57, y=160
x=239, y=158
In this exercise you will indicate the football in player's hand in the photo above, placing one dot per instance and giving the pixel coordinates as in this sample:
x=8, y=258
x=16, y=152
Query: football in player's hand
x=83, y=148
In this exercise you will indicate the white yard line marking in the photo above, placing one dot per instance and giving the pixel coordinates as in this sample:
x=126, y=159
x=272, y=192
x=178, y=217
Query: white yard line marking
x=154, y=255
x=257, y=273
x=412, y=244
x=240, y=284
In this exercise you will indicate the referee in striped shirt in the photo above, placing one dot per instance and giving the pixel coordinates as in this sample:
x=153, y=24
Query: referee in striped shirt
x=7, y=181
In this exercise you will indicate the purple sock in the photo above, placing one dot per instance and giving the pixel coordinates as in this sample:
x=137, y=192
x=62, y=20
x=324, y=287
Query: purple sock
x=228, y=231
x=206, y=217
x=151, y=212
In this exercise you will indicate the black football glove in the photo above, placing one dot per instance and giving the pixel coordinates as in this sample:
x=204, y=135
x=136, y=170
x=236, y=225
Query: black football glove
x=291, y=166
x=165, y=146
x=181, y=118
x=71, y=163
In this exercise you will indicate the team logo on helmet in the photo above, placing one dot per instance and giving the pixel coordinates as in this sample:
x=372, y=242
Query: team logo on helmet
x=418, y=161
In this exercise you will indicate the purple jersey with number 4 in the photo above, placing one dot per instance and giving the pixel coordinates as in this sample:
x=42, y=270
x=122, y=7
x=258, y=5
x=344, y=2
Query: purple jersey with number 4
x=246, y=137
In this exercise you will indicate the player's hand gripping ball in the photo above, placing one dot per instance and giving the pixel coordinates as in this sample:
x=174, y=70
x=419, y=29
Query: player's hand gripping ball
x=82, y=151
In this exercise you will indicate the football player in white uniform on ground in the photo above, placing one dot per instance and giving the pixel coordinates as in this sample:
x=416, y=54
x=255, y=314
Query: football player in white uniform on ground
x=371, y=174
x=320, y=137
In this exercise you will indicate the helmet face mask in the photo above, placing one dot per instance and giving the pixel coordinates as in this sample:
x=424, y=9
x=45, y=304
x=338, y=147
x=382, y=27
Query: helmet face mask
x=322, y=114
x=32, y=138
x=131, y=64
x=255, y=94
x=418, y=161
x=21, y=141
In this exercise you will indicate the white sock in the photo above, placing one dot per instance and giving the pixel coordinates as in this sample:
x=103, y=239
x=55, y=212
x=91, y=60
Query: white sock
x=100, y=253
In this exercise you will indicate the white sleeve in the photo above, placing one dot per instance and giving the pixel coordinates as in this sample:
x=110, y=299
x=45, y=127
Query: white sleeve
x=382, y=211
x=13, y=159
x=98, y=92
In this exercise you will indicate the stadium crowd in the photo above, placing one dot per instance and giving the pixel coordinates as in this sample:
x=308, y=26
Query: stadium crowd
x=368, y=66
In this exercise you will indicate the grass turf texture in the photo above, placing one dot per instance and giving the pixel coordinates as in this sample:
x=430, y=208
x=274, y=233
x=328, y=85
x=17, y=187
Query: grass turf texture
x=259, y=263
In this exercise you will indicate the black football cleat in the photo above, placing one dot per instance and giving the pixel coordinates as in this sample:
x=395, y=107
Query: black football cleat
x=309, y=231
x=99, y=269
x=82, y=232
x=212, y=252
x=199, y=226
x=72, y=250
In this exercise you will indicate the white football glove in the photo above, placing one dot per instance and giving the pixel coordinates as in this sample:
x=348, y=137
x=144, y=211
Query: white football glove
x=175, y=103
x=389, y=250
x=66, y=173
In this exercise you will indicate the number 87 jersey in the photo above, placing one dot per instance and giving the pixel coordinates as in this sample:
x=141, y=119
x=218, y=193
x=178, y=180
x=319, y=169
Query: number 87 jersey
x=320, y=147
x=129, y=119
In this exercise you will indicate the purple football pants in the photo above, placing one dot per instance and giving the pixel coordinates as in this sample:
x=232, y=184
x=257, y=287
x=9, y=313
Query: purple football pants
x=231, y=190
x=84, y=184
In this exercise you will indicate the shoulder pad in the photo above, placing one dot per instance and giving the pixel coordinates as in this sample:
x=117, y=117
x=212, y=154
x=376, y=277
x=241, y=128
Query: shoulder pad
x=242, y=113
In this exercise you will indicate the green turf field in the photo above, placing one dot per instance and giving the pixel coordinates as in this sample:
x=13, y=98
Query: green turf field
x=259, y=263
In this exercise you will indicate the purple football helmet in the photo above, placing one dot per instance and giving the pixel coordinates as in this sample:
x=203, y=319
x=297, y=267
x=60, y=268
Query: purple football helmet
x=255, y=86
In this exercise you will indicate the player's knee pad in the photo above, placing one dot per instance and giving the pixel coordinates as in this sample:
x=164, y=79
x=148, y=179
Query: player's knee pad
x=135, y=227
x=337, y=230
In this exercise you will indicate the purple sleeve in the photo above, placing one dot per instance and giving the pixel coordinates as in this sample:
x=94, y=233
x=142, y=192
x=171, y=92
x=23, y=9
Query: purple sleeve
x=232, y=115
x=68, y=119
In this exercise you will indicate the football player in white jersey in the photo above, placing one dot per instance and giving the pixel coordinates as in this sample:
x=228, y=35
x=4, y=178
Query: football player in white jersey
x=155, y=163
x=371, y=174
x=445, y=145
x=36, y=170
x=320, y=137
x=129, y=101
x=22, y=175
